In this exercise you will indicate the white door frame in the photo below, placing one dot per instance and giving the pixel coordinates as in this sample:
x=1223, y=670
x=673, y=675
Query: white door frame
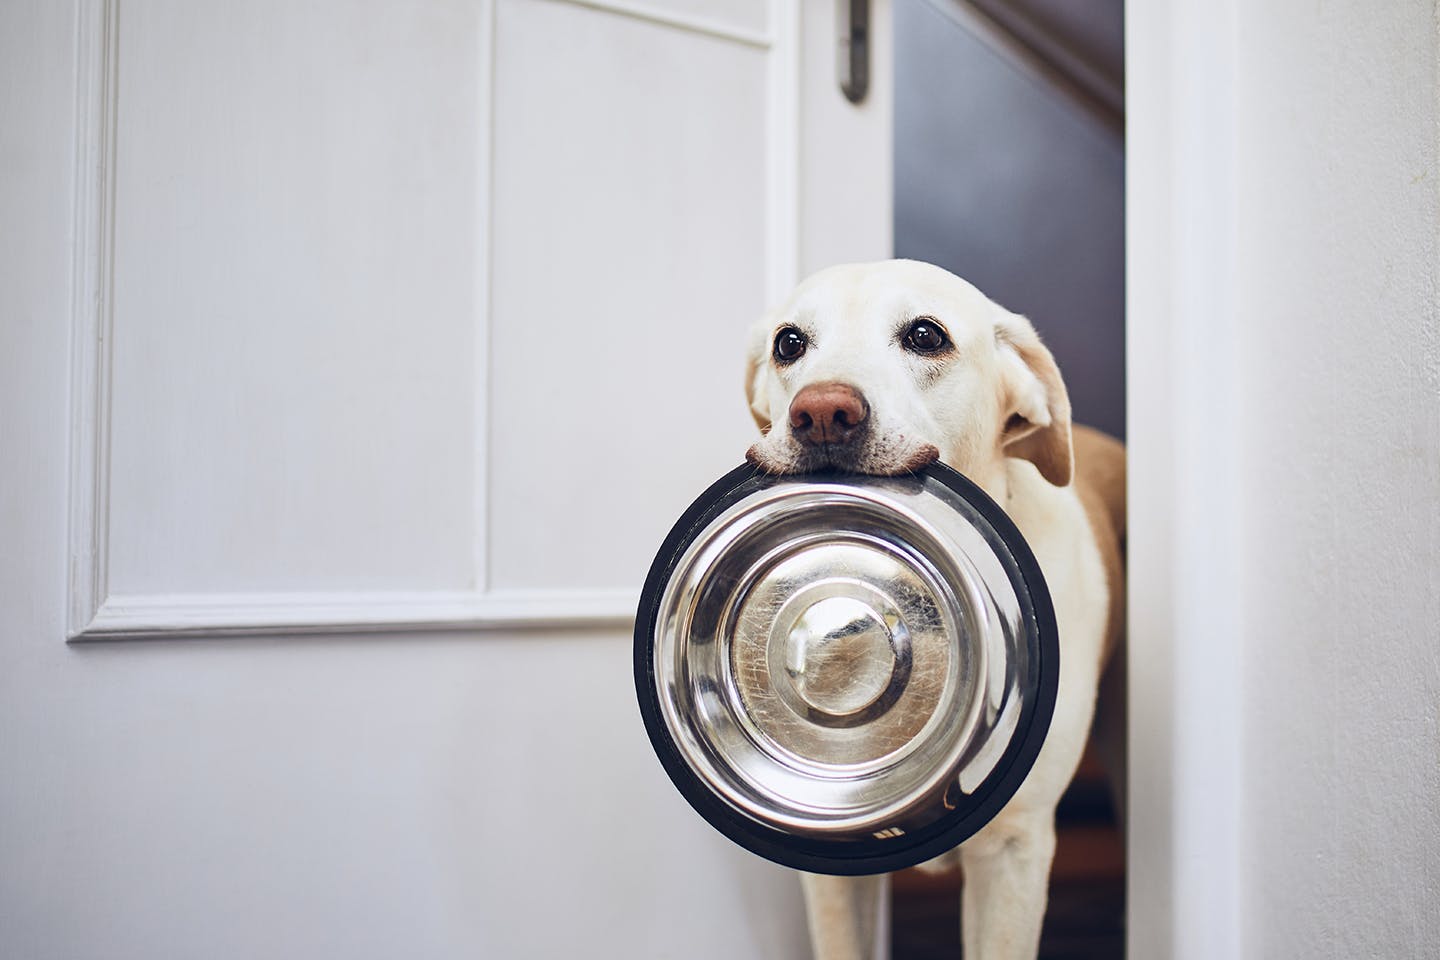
x=1183, y=823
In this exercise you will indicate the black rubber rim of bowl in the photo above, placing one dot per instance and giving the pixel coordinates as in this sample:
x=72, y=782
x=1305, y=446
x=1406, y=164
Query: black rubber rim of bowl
x=867, y=856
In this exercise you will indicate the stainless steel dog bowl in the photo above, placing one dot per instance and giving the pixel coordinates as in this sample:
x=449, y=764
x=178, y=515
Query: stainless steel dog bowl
x=846, y=674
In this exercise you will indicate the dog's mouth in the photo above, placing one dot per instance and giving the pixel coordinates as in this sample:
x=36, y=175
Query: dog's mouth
x=877, y=459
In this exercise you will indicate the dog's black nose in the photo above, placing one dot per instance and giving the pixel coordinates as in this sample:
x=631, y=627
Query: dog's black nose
x=828, y=413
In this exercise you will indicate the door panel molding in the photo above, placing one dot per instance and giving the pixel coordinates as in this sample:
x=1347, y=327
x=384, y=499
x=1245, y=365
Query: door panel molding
x=94, y=612
x=693, y=23
x=92, y=318
x=261, y=614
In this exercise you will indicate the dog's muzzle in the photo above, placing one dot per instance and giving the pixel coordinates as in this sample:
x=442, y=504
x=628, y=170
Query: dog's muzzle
x=846, y=674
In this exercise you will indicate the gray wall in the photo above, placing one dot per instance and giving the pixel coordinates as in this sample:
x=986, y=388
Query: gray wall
x=1003, y=179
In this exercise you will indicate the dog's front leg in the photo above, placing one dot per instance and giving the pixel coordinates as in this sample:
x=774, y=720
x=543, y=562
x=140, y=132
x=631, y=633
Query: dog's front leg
x=1006, y=866
x=847, y=916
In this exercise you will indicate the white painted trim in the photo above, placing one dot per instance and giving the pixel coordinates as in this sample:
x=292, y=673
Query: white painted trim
x=782, y=183
x=484, y=402
x=1185, y=873
x=252, y=614
x=706, y=26
x=89, y=474
x=94, y=614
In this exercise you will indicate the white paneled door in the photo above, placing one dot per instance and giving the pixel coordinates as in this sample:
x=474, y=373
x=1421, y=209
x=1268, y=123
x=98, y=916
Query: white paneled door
x=416, y=318
x=392, y=315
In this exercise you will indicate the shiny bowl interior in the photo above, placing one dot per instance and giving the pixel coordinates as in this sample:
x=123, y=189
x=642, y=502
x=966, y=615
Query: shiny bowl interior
x=841, y=666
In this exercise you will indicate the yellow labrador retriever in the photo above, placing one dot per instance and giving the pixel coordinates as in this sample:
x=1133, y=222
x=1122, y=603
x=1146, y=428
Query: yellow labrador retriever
x=881, y=368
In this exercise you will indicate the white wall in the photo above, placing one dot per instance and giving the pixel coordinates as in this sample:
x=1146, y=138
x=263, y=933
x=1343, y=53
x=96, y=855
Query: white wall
x=1285, y=493
x=473, y=793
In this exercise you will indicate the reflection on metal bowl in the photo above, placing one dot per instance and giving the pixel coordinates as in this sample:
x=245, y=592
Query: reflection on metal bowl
x=846, y=674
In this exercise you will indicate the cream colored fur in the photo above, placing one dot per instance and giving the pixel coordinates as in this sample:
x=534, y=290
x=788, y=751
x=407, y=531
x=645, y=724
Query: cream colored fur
x=996, y=409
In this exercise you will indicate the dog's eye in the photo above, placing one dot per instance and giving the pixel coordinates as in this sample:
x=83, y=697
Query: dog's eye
x=790, y=345
x=925, y=336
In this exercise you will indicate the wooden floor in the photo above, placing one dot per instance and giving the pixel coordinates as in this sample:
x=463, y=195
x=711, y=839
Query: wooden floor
x=1085, y=919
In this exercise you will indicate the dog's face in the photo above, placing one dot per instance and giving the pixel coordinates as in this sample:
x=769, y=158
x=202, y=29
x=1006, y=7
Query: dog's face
x=881, y=368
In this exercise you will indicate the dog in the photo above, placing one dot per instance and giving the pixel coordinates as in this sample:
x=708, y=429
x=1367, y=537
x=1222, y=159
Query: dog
x=882, y=368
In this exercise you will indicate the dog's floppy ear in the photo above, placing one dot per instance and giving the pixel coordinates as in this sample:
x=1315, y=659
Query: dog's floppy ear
x=1036, y=405
x=757, y=354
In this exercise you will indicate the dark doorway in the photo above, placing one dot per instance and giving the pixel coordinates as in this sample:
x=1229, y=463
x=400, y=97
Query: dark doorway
x=1010, y=171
